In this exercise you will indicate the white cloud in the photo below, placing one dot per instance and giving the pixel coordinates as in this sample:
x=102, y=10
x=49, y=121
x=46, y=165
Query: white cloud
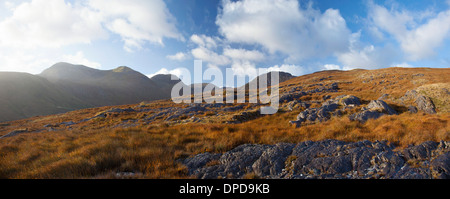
x=336, y=67
x=205, y=50
x=370, y=57
x=403, y=65
x=9, y=5
x=242, y=68
x=417, y=40
x=34, y=32
x=366, y=56
x=137, y=21
x=283, y=26
x=204, y=41
x=207, y=55
x=50, y=23
x=180, y=56
x=34, y=62
x=331, y=67
x=79, y=58
x=242, y=61
x=23, y=61
x=243, y=54
x=292, y=69
x=57, y=23
x=164, y=71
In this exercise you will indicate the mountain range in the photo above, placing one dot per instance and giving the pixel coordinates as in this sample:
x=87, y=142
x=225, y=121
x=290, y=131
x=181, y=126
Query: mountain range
x=64, y=87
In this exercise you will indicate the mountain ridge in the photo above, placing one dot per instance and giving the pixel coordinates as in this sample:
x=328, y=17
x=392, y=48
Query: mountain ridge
x=66, y=87
x=76, y=86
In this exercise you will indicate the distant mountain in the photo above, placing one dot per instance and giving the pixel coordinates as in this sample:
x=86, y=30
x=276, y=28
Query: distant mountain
x=24, y=95
x=95, y=87
x=165, y=83
x=283, y=76
x=64, y=87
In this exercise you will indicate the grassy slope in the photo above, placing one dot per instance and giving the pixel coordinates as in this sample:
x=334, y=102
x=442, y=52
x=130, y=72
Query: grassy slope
x=66, y=87
x=25, y=95
x=100, y=150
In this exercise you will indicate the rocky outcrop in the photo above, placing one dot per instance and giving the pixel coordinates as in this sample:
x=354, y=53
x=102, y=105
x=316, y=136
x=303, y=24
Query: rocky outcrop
x=374, y=110
x=326, y=159
x=297, y=92
x=113, y=111
x=328, y=109
x=245, y=116
x=14, y=133
x=187, y=112
x=424, y=103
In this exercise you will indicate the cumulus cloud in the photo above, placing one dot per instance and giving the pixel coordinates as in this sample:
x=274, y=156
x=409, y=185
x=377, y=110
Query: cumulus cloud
x=335, y=67
x=180, y=56
x=23, y=61
x=137, y=21
x=217, y=53
x=35, y=62
x=331, y=67
x=403, y=65
x=35, y=25
x=205, y=51
x=50, y=23
x=243, y=54
x=204, y=41
x=164, y=71
x=57, y=23
x=79, y=58
x=368, y=56
x=179, y=73
x=283, y=26
x=207, y=55
x=292, y=69
x=417, y=40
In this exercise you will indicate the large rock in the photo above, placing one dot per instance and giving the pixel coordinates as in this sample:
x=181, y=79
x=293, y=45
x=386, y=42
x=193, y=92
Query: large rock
x=374, y=110
x=200, y=160
x=348, y=100
x=441, y=166
x=425, y=104
x=272, y=161
x=366, y=115
x=381, y=106
x=327, y=159
x=328, y=109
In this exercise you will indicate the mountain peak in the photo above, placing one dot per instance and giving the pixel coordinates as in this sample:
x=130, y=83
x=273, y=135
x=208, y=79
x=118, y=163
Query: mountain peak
x=63, y=70
x=122, y=69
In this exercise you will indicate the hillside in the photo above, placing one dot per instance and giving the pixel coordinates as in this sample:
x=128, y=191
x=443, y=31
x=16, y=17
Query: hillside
x=24, y=95
x=65, y=87
x=122, y=85
x=385, y=123
x=283, y=76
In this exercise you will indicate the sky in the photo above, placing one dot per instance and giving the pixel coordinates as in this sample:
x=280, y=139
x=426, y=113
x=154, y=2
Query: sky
x=164, y=36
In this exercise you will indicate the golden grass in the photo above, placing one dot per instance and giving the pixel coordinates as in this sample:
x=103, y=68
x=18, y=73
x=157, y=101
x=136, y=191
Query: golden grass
x=154, y=150
x=96, y=149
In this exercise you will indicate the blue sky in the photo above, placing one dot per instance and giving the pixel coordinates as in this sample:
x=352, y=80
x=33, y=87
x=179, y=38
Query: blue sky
x=159, y=36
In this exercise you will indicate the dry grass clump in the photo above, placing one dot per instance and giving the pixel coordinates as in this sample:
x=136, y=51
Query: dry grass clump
x=439, y=93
